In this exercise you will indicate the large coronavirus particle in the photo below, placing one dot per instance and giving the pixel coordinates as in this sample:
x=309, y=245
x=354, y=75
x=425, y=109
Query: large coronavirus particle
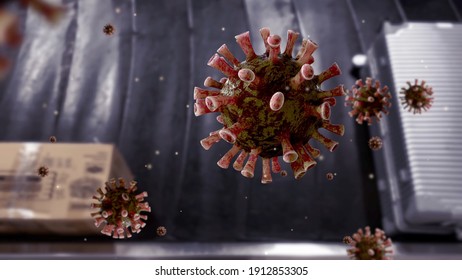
x=368, y=101
x=270, y=105
x=417, y=97
x=368, y=246
x=119, y=207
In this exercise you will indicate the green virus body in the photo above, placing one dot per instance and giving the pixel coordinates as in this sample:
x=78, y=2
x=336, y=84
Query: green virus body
x=368, y=246
x=119, y=207
x=417, y=97
x=368, y=101
x=270, y=105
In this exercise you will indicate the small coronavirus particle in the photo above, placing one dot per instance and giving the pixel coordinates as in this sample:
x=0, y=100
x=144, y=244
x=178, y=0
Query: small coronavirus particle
x=109, y=29
x=417, y=97
x=270, y=105
x=161, y=231
x=119, y=207
x=368, y=246
x=368, y=101
x=42, y=171
x=375, y=143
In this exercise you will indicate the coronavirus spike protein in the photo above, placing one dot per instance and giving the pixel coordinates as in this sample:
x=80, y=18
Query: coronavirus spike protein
x=119, y=208
x=270, y=105
x=368, y=101
x=417, y=97
x=368, y=246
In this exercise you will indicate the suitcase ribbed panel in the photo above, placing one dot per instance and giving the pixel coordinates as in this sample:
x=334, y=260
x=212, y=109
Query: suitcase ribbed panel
x=433, y=140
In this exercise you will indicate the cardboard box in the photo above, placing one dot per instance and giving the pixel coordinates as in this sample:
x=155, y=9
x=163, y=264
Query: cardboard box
x=58, y=203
